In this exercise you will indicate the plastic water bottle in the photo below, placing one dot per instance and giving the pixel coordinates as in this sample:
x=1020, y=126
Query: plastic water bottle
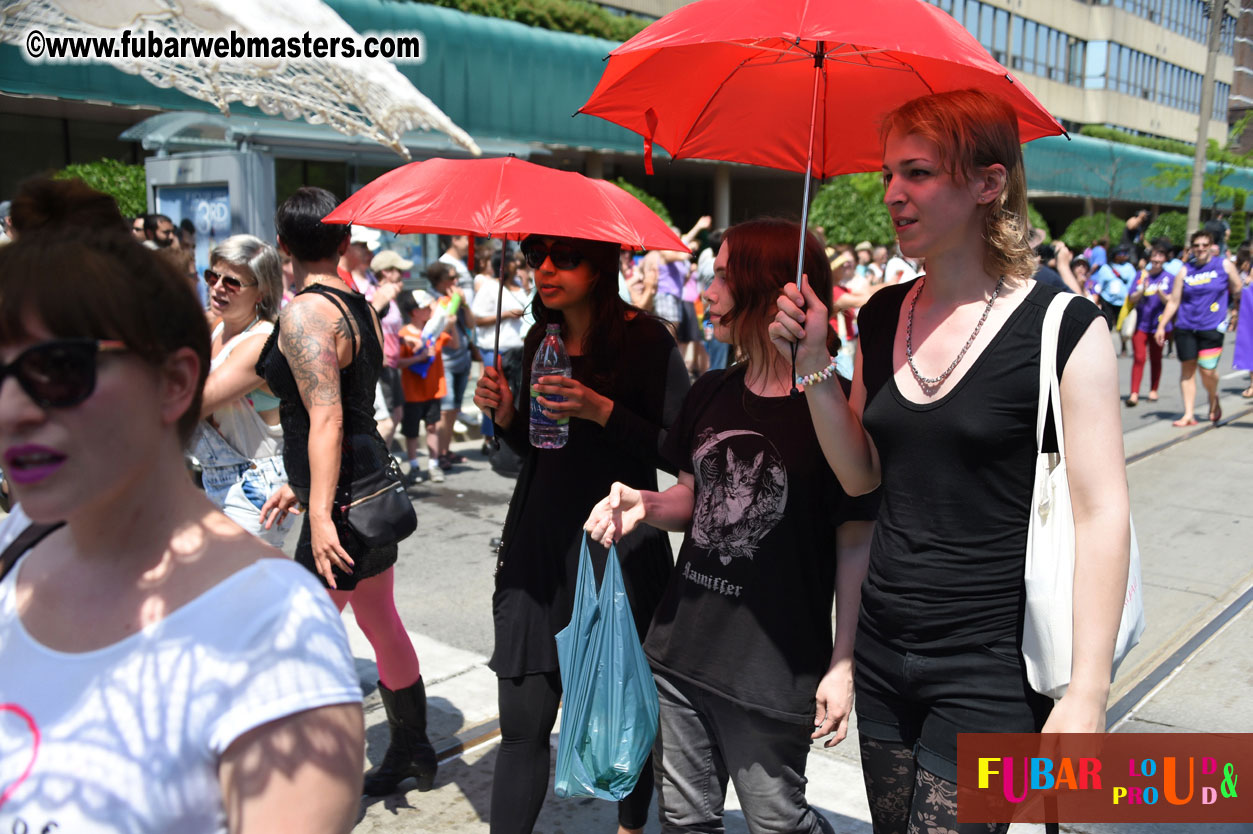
x=550, y=360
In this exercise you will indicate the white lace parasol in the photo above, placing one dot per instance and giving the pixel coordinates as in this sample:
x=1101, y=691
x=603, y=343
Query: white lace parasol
x=356, y=96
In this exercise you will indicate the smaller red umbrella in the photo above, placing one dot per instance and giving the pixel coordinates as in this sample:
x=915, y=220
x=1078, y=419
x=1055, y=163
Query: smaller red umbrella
x=504, y=198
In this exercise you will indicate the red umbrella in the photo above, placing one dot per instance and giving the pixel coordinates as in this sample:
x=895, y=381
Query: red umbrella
x=747, y=81
x=503, y=198
x=800, y=85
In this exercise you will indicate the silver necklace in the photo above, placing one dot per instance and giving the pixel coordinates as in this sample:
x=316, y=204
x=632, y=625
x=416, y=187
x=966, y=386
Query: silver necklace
x=930, y=383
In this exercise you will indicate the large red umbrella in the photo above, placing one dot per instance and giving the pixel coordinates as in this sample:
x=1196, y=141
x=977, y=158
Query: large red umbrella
x=503, y=198
x=801, y=85
x=751, y=81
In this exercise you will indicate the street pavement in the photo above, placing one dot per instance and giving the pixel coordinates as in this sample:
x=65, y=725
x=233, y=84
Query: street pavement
x=1191, y=672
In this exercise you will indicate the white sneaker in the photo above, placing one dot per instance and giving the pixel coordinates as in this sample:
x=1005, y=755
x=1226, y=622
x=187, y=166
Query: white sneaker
x=458, y=427
x=435, y=474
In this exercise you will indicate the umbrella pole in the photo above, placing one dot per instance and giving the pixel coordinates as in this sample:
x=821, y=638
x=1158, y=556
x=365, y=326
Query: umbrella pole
x=809, y=158
x=500, y=299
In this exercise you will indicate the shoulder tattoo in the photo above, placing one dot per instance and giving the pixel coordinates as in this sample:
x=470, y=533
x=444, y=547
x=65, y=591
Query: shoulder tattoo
x=307, y=340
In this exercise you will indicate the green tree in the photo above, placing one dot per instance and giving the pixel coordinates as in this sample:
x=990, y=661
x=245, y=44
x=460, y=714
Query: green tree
x=1080, y=233
x=1169, y=224
x=575, y=16
x=1226, y=160
x=1037, y=222
x=124, y=183
x=1239, y=220
x=850, y=209
x=647, y=199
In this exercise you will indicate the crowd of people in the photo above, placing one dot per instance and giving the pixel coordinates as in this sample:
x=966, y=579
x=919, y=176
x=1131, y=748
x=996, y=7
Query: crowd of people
x=205, y=679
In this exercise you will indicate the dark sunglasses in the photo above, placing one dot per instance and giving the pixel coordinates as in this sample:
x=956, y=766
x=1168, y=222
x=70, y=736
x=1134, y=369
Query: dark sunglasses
x=59, y=373
x=231, y=284
x=564, y=255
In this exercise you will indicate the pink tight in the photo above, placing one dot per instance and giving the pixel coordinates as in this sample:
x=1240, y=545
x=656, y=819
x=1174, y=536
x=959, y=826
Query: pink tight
x=375, y=609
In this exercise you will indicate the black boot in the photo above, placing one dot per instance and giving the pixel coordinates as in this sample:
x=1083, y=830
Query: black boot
x=410, y=752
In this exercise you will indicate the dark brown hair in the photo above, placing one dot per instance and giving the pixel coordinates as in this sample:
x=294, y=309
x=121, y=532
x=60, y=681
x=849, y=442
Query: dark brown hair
x=762, y=259
x=80, y=282
x=43, y=203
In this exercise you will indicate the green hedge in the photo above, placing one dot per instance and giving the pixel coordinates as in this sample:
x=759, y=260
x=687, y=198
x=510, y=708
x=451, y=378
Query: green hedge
x=1171, y=224
x=1037, y=222
x=647, y=199
x=574, y=16
x=1080, y=233
x=124, y=183
x=850, y=209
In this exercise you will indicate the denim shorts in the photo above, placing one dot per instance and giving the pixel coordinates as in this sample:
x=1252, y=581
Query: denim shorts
x=240, y=489
x=455, y=382
x=924, y=700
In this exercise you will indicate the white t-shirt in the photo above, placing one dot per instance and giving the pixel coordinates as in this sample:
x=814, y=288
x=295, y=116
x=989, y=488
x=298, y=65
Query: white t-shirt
x=512, y=330
x=128, y=738
x=899, y=271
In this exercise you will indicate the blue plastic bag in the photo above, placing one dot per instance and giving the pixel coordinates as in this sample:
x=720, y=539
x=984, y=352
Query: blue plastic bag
x=609, y=706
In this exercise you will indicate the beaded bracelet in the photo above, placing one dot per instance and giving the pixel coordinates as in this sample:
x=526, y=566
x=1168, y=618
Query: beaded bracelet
x=816, y=377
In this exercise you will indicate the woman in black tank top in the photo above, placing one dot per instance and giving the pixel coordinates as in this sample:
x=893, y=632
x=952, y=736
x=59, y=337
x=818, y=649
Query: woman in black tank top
x=942, y=415
x=323, y=362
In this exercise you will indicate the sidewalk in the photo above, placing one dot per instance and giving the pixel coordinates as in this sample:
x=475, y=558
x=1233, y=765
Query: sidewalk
x=1195, y=527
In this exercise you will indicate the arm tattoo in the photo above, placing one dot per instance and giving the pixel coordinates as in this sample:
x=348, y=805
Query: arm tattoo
x=307, y=340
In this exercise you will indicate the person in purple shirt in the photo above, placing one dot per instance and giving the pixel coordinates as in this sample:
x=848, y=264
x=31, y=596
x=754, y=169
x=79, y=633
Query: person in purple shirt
x=1197, y=306
x=1148, y=297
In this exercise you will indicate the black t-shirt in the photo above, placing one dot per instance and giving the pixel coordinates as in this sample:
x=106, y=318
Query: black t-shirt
x=947, y=556
x=747, y=611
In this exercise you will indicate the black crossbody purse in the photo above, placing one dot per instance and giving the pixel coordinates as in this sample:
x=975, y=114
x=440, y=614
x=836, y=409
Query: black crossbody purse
x=375, y=506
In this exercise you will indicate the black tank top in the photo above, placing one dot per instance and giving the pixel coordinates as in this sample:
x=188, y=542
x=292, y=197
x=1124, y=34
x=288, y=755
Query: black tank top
x=362, y=450
x=947, y=556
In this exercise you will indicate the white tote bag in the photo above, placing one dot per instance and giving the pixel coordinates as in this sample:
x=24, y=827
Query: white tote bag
x=1049, y=577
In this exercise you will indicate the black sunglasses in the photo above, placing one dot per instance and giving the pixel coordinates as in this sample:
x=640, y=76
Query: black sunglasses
x=564, y=255
x=59, y=373
x=231, y=284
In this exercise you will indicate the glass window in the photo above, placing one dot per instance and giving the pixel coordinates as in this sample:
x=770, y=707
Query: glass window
x=1027, y=50
x=1000, y=36
x=1124, y=70
x=972, y=17
x=1095, y=62
x=985, y=26
x=1015, y=37
x=1078, y=61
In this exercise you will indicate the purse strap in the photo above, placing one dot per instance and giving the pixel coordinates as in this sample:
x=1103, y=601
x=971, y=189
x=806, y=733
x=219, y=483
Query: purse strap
x=1050, y=386
x=25, y=540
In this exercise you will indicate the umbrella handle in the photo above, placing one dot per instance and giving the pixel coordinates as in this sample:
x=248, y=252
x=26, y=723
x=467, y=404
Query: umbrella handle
x=500, y=300
x=809, y=158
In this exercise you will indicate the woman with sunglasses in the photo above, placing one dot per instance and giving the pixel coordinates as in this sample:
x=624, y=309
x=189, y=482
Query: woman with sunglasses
x=151, y=680
x=239, y=443
x=626, y=388
x=942, y=419
x=747, y=668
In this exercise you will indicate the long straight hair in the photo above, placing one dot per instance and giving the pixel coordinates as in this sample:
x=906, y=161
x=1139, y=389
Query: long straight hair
x=761, y=261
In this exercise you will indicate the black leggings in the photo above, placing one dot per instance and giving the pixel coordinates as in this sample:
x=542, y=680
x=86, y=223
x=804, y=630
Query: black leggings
x=528, y=711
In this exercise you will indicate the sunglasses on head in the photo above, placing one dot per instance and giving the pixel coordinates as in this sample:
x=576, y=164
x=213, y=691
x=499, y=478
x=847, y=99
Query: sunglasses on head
x=231, y=284
x=59, y=373
x=564, y=256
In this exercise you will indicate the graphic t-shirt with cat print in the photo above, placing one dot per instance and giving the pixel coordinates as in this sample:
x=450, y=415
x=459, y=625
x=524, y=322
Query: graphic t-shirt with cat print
x=747, y=611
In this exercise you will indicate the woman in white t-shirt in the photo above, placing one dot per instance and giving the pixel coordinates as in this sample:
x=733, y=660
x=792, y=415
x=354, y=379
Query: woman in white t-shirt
x=514, y=302
x=163, y=670
x=239, y=443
